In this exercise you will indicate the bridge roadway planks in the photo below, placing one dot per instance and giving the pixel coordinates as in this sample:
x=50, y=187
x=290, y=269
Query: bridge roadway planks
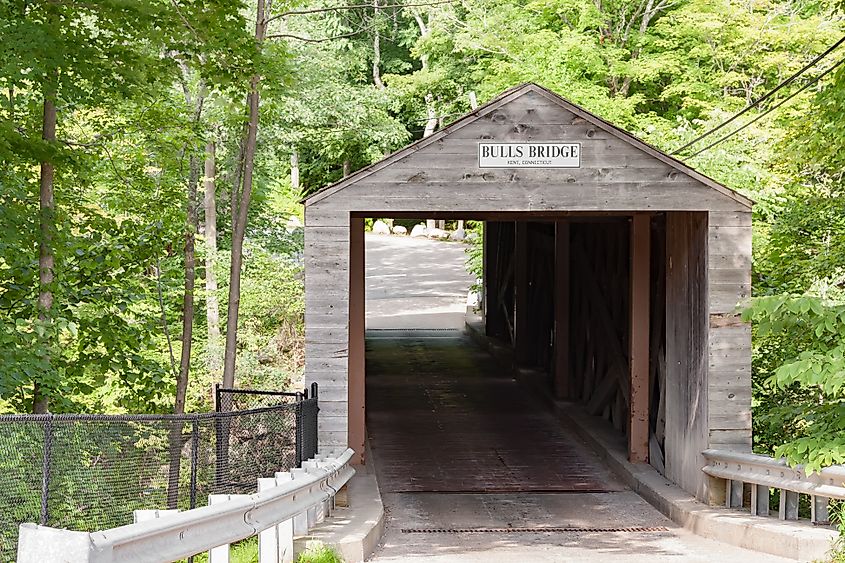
x=442, y=416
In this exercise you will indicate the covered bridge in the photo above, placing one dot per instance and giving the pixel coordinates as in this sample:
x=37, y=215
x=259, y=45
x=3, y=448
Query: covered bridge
x=612, y=268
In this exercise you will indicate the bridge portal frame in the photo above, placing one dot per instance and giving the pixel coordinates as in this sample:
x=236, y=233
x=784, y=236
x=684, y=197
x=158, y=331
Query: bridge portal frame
x=707, y=265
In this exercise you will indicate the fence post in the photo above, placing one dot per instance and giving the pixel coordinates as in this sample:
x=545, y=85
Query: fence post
x=45, y=469
x=299, y=445
x=314, y=390
x=195, y=442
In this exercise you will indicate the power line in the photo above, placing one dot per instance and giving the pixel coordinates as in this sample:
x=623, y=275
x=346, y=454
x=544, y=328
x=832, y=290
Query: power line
x=771, y=109
x=762, y=98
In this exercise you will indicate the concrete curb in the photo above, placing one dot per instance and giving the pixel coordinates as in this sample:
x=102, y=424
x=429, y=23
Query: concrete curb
x=794, y=540
x=355, y=531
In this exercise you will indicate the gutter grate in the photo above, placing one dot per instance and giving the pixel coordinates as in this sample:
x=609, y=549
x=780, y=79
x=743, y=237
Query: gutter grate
x=414, y=329
x=537, y=530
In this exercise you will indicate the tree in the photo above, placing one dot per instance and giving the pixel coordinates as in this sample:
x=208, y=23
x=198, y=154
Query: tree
x=241, y=196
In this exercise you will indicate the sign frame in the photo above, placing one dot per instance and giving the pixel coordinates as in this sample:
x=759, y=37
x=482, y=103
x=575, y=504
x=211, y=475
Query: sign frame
x=550, y=164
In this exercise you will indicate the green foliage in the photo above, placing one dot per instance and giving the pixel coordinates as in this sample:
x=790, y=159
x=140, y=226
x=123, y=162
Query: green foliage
x=475, y=251
x=318, y=552
x=815, y=368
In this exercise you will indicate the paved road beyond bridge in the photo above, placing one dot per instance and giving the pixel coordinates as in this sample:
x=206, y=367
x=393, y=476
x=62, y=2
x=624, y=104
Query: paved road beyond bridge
x=471, y=466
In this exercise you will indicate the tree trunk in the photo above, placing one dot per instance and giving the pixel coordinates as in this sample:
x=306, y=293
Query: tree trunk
x=239, y=229
x=294, y=171
x=347, y=168
x=430, y=125
x=376, y=48
x=176, y=438
x=46, y=259
x=212, y=306
x=237, y=174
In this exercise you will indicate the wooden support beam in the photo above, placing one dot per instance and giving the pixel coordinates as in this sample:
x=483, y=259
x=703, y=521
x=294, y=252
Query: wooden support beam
x=563, y=384
x=491, y=276
x=522, y=313
x=639, y=338
x=356, y=413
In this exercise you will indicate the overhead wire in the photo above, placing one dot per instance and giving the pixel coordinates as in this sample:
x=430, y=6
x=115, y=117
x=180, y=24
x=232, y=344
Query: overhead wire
x=786, y=82
x=809, y=83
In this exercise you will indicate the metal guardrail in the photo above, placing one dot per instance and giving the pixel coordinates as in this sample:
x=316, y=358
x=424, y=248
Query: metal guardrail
x=299, y=499
x=764, y=473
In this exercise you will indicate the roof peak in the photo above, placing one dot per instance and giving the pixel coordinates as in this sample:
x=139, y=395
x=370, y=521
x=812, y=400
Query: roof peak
x=506, y=97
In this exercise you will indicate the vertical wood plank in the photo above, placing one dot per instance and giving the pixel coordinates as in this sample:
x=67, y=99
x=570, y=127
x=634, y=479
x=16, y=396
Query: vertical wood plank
x=687, y=424
x=522, y=313
x=357, y=320
x=638, y=341
x=563, y=385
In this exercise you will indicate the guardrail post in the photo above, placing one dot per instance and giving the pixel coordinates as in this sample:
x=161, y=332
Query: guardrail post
x=285, y=528
x=268, y=540
x=37, y=544
x=300, y=521
x=315, y=516
x=733, y=493
x=328, y=504
x=788, y=505
x=145, y=515
x=818, y=510
x=759, y=500
x=219, y=554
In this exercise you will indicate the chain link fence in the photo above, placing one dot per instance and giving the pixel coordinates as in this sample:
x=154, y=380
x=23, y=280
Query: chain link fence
x=89, y=472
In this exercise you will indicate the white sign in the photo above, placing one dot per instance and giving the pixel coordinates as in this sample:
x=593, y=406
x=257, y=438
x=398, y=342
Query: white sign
x=529, y=155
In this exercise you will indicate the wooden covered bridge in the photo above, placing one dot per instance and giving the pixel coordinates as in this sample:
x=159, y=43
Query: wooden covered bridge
x=610, y=266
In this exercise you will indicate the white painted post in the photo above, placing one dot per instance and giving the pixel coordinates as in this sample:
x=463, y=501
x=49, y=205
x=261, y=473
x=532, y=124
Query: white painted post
x=220, y=554
x=268, y=541
x=310, y=466
x=145, y=515
x=300, y=521
x=328, y=504
x=284, y=532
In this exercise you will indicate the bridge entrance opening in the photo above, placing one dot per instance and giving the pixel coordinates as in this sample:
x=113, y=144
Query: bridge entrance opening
x=459, y=398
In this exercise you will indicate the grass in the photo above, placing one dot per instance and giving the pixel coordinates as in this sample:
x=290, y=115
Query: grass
x=246, y=551
x=318, y=552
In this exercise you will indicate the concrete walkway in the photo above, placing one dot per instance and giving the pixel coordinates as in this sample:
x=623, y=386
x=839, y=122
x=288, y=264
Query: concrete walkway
x=408, y=377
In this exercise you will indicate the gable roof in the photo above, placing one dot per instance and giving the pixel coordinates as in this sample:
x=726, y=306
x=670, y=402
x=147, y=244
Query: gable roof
x=501, y=100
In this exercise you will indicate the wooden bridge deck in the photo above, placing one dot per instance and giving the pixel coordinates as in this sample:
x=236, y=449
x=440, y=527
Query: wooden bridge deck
x=442, y=416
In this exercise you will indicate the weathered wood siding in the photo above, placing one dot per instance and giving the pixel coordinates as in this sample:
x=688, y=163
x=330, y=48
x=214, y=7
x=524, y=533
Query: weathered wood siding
x=327, y=321
x=729, y=289
x=686, y=349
